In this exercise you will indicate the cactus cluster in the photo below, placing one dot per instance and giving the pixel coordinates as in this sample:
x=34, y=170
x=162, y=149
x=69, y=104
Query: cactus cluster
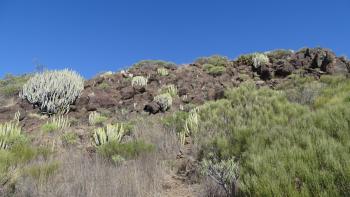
x=162, y=72
x=53, y=91
x=170, y=89
x=164, y=101
x=109, y=133
x=254, y=59
x=9, y=131
x=259, y=59
x=139, y=81
x=191, y=125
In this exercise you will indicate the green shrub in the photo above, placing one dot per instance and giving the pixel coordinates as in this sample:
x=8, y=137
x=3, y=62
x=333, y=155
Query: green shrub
x=69, y=138
x=96, y=118
x=215, y=60
x=103, y=86
x=127, y=150
x=14, y=158
x=281, y=148
x=302, y=90
x=53, y=91
x=161, y=63
x=337, y=91
x=214, y=70
x=12, y=85
x=49, y=127
x=170, y=89
x=279, y=53
x=41, y=172
x=175, y=121
x=164, y=101
x=55, y=123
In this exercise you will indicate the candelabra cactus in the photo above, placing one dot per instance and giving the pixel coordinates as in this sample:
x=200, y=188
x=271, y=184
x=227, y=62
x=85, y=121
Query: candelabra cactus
x=139, y=81
x=109, y=133
x=53, y=91
x=162, y=72
x=9, y=132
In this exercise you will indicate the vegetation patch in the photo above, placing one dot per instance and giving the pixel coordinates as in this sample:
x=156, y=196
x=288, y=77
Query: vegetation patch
x=12, y=85
x=53, y=91
x=127, y=150
x=55, y=123
x=280, y=147
x=170, y=89
x=214, y=70
x=214, y=65
x=96, y=118
x=161, y=63
x=164, y=101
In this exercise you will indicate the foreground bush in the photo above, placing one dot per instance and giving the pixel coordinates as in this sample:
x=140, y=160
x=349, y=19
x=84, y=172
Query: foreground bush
x=283, y=149
x=53, y=91
x=10, y=132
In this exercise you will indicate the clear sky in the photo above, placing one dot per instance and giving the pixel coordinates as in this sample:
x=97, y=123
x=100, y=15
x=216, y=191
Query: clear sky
x=91, y=36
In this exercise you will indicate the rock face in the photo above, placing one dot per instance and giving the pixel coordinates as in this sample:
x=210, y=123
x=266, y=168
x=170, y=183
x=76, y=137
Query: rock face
x=195, y=86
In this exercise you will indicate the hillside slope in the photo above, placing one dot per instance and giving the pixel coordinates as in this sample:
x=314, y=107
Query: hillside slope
x=221, y=110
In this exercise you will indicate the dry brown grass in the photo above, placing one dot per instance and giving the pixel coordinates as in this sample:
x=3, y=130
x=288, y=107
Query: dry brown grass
x=82, y=176
x=151, y=131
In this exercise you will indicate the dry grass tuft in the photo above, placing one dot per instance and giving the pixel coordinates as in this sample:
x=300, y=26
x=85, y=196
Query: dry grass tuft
x=82, y=176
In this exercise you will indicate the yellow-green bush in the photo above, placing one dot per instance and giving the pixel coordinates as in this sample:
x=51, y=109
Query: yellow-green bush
x=215, y=60
x=127, y=150
x=214, y=70
x=214, y=65
x=55, y=123
x=12, y=85
x=153, y=63
x=282, y=148
x=170, y=89
x=96, y=118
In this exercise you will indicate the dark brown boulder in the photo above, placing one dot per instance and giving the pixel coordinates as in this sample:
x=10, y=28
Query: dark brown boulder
x=284, y=69
x=127, y=93
x=152, y=107
x=265, y=72
x=101, y=99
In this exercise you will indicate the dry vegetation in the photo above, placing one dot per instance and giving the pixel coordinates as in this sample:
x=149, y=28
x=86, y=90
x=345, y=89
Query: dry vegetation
x=289, y=140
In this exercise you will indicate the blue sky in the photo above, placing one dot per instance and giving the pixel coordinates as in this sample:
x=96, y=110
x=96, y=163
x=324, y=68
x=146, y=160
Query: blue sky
x=91, y=36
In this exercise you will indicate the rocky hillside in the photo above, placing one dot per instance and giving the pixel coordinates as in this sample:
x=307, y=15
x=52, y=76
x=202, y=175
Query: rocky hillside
x=120, y=98
x=194, y=83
